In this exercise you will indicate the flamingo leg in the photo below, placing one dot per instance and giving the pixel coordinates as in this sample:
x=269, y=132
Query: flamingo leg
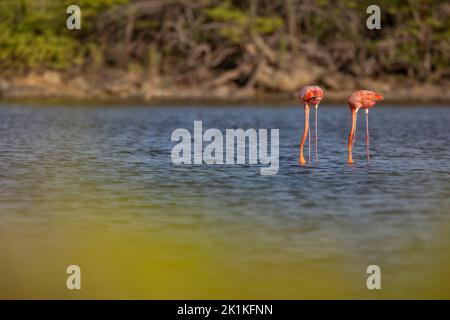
x=305, y=134
x=367, y=135
x=351, y=137
x=309, y=143
x=316, y=133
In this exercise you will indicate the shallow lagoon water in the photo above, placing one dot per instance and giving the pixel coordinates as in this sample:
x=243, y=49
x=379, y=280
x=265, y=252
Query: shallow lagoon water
x=95, y=186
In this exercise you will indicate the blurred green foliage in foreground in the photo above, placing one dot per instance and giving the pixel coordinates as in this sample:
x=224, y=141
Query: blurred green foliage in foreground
x=199, y=36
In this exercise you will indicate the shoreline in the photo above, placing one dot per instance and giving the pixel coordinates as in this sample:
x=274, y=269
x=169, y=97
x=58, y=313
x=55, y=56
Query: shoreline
x=118, y=88
x=270, y=101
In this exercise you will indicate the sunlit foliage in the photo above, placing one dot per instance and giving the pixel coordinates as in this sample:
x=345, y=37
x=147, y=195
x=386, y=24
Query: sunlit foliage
x=179, y=36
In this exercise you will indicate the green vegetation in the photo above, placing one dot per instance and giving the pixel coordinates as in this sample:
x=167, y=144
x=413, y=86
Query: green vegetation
x=196, y=39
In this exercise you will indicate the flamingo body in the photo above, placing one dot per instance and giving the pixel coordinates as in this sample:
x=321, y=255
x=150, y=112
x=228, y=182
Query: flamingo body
x=363, y=99
x=311, y=94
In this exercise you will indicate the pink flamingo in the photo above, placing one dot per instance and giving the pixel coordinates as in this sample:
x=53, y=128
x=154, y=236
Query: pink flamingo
x=309, y=95
x=361, y=99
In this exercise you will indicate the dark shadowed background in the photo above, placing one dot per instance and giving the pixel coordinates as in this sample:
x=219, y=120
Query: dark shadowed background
x=224, y=50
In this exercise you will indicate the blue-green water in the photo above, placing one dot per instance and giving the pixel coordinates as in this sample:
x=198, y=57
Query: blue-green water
x=69, y=175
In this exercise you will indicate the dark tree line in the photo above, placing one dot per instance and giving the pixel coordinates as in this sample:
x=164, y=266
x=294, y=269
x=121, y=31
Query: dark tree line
x=216, y=42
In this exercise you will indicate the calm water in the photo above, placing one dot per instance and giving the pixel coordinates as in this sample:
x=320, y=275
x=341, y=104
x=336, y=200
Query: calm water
x=95, y=186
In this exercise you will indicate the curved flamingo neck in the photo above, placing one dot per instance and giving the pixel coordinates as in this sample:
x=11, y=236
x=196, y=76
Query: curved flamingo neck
x=305, y=134
x=351, y=137
x=355, y=106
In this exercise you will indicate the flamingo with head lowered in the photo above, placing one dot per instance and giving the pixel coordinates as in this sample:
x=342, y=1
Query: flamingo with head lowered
x=361, y=99
x=309, y=95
